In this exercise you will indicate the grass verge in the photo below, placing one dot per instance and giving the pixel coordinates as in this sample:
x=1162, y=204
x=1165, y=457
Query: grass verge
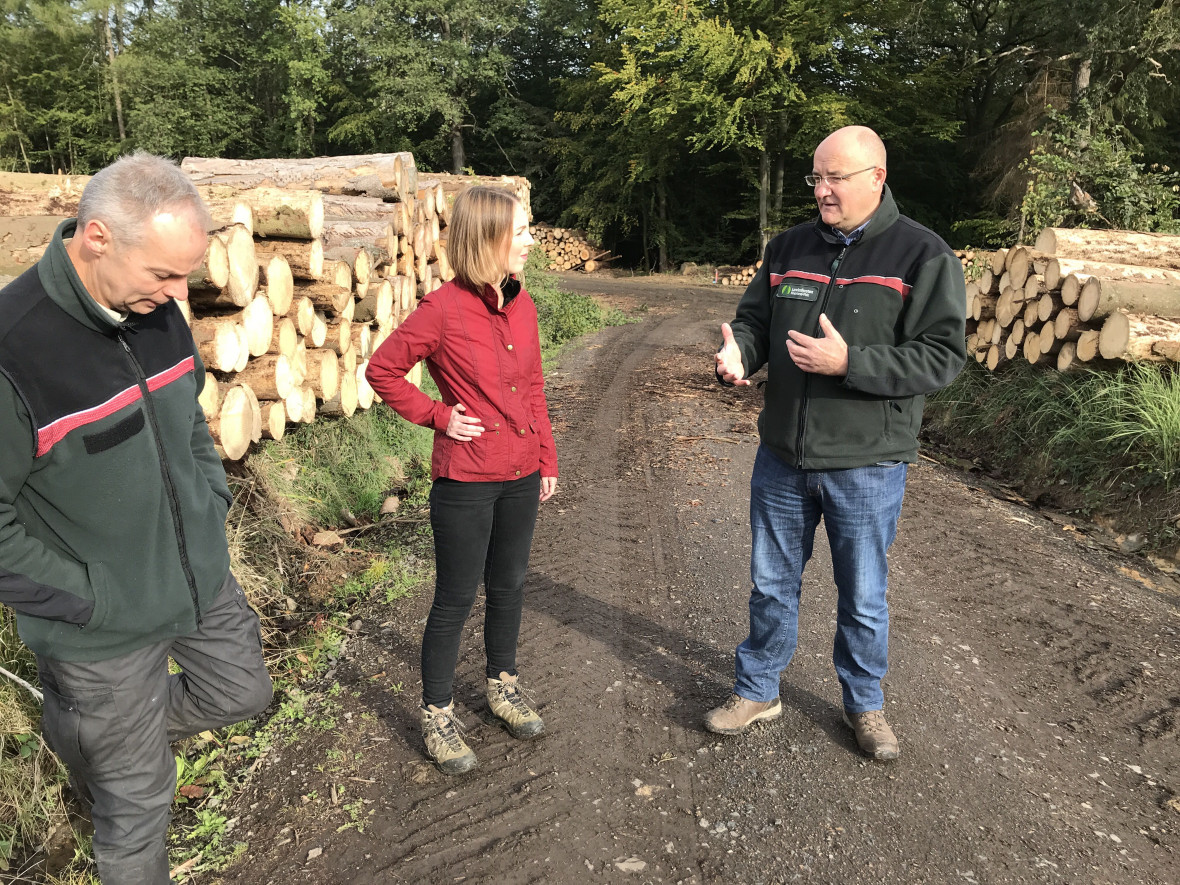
x=1098, y=442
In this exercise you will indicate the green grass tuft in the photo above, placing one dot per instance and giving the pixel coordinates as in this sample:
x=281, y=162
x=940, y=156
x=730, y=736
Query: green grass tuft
x=1111, y=438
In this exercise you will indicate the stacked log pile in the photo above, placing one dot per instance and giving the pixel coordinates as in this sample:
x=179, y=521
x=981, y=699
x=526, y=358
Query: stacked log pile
x=729, y=275
x=569, y=249
x=312, y=263
x=1075, y=297
x=315, y=263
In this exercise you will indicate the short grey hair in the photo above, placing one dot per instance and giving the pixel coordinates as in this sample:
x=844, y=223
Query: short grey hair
x=135, y=189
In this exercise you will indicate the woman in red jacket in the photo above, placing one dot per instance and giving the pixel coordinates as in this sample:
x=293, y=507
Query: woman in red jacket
x=494, y=459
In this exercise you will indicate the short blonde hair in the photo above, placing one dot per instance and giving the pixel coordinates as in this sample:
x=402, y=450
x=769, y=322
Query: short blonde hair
x=479, y=235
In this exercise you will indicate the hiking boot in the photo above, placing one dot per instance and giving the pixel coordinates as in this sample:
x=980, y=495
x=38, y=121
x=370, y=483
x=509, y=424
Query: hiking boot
x=737, y=714
x=873, y=734
x=508, y=705
x=445, y=747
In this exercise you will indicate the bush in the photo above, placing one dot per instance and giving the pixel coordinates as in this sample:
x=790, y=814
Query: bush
x=562, y=316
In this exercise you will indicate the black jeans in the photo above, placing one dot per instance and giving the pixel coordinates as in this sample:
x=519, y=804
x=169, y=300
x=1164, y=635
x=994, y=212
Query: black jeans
x=480, y=528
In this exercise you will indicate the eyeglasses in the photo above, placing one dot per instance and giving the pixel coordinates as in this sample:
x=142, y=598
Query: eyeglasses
x=831, y=180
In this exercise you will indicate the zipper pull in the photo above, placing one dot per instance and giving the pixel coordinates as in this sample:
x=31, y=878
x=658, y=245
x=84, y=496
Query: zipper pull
x=838, y=259
x=123, y=341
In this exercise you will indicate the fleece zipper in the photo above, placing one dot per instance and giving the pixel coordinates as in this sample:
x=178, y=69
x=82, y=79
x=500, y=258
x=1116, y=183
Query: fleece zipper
x=823, y=306
x=166, y=475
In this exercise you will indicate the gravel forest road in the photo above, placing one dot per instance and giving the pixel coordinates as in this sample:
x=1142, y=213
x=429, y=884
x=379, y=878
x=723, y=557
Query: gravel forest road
x=1034, y=682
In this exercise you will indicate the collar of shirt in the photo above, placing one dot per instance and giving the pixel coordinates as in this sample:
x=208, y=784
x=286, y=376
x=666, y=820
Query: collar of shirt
x=852, y=236
x=509, y=288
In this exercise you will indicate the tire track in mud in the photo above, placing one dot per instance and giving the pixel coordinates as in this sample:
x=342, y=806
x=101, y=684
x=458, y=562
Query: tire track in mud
x=1032, y=730
x=592, y=655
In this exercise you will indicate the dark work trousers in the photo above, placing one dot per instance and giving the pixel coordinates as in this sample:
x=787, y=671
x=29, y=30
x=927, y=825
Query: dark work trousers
x=481, y=529
x=111, y=722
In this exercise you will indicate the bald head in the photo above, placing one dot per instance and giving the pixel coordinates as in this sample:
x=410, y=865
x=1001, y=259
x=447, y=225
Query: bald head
x=856, y=142
x=850, y=167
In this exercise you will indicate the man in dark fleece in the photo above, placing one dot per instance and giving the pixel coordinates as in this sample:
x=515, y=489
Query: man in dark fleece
x=112, y=508
x=856, y=315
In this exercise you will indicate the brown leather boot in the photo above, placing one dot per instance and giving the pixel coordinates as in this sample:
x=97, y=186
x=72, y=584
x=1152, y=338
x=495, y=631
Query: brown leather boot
x=873, y=734
x=737, y=714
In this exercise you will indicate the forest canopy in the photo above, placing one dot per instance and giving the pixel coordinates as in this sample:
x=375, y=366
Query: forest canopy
x=673, y=130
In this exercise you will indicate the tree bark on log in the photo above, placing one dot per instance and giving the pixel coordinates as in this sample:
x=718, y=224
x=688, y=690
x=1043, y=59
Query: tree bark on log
x=304, y=257
x=289, y=214
x=1134, y=338
x=1101, y=297
x=1113, y=246
x=235, y=422
x=389, y=176
x=303, y=313
x=214, y=271
x=284, y=338
x=1062, y=267
x=210, y=396
x=269, y=376
x=258, y=321
x=325, y=296
x=344, y=403
x=274, y=419
x=243, y=265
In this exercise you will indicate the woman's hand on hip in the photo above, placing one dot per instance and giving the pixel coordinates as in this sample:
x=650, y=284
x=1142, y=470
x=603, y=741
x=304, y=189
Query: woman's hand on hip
x=461, y=427
x=548, y=487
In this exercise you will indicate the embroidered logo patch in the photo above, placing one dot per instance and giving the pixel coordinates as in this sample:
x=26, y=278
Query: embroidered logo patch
x=798, y=291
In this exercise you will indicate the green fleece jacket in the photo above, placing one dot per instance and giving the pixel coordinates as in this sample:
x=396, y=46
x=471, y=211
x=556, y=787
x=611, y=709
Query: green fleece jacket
x=898, y=299
x=112, y=497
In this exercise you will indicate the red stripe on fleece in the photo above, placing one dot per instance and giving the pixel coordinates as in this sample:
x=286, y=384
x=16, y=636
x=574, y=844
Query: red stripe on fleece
x=52, y=434
x=776, y=278
x=895, y=283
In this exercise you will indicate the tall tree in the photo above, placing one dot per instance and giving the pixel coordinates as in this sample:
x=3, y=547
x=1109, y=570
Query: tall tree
x=741, y=74
x=429, y=61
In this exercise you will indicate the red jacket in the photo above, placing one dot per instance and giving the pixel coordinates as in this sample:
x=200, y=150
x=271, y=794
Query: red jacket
x=488, y=359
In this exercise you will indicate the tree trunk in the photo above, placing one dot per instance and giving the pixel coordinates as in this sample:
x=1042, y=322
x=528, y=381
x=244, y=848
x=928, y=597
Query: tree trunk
x=116, y=92
x=1130, y=337
x=763, y=200
x=1113, y=246
x=662, y=236
x=275, y=274
x=1101, y=297
x=269, y=376
x=304, y=257
x=1059, y=268
x=458, y=155
x=291, y=214
x=217, y=343
x=384, y=175
x=284, y=338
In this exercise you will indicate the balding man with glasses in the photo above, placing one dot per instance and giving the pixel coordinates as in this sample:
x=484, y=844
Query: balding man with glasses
x=856, y=315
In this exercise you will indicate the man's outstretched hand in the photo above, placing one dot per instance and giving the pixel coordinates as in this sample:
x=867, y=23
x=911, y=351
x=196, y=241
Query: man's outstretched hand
x=729, y=359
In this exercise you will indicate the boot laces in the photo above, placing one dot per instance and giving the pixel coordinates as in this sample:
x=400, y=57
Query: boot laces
x=513, y=695
x=448, y=727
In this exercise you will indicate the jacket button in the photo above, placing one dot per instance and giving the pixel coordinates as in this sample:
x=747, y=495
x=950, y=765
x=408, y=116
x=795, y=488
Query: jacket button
x=522, y=431
x=510, y=347
x=518, y=473
x=513, y=390
x=497, y=424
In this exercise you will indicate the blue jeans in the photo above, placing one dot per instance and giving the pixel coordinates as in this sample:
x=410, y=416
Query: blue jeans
x=860, y=508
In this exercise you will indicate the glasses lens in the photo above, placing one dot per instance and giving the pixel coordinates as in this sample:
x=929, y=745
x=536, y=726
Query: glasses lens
x=812, y=180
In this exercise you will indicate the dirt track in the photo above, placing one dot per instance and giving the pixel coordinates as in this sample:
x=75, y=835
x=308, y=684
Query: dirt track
x=1035, y=683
